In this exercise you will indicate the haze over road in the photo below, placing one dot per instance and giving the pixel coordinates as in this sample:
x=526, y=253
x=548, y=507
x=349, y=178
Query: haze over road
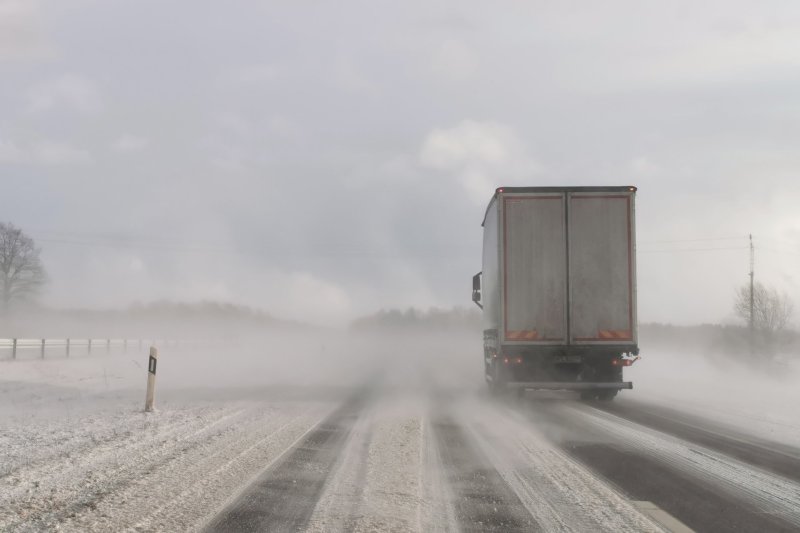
x=415, y=447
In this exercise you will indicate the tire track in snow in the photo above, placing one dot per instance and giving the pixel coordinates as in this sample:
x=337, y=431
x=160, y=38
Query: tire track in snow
x=483, y=501
x=698, y=505
x=559, y=492
x=435, y=513
x=773, y=456
x=219, y=474
x=284, y=496
x=337, y=506
x=391, y=496
x=760, y=495
x=376, y=485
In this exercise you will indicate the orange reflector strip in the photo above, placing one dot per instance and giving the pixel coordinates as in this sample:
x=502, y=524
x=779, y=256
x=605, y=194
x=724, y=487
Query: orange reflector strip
x=522, y=335
x=613, y=334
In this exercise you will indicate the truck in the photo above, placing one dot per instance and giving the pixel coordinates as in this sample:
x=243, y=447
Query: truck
x=558, y=289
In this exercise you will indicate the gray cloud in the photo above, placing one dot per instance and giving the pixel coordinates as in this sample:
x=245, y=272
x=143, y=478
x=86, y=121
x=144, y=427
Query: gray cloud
x=60, y=153
x=67, y=91
x=22, y=34
x=474, y=154
x=129, y=144
x=323, y=160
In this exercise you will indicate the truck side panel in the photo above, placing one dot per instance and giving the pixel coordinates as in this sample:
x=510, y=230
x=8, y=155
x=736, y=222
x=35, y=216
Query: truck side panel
x=534, y=269
x=490, y=280
x=601, y=269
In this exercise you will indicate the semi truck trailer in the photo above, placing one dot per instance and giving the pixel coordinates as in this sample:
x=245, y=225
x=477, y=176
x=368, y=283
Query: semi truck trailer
x=558, y=289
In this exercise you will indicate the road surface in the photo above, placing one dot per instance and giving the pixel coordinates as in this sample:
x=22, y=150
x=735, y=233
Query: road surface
x=460, y=462
x=426, y=458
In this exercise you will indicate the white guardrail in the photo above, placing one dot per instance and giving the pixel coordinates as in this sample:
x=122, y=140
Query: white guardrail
x=11, y=349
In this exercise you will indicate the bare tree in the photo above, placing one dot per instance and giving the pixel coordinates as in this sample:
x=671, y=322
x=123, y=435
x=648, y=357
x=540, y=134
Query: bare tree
x=771, y=311
x=21, y=270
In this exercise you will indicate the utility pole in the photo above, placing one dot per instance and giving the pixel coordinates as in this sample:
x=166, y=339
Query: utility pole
x=752, y=299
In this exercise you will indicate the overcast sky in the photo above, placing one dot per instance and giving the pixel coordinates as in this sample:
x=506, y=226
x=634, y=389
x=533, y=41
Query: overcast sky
x=321, y=160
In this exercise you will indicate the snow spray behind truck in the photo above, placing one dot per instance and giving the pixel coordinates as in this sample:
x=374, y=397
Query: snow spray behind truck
x=558, y=289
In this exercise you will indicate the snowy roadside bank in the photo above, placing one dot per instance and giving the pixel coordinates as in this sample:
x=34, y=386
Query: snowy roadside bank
x=750, y=400
x=78, y=454
x=167, y=470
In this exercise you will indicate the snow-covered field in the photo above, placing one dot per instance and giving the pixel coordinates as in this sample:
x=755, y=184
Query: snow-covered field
x=166, y=471
x=755, y=401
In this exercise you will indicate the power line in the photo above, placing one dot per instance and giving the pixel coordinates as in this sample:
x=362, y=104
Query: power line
x=315, y=250
x=692, y=249
x=704, y=239
x=782, y=242
x=136, y=245
x=766, y=249
x=100, y=240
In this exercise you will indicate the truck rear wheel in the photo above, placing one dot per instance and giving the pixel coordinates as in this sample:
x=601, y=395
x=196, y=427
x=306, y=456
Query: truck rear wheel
x=588, y=395
x=604, y=395
x=607, y=395
x=497, y=386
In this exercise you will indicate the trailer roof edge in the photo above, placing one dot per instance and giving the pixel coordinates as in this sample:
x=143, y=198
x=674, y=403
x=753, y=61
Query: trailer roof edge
x=587, y=188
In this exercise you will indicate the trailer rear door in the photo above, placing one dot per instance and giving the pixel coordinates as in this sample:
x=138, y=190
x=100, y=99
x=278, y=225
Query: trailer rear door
x=535, y=273
x=601, y=268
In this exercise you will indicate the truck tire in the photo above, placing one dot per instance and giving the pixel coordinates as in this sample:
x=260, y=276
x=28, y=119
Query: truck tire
x=607, y=395
x=588, y=395
x=604, y=395
x=497, y=386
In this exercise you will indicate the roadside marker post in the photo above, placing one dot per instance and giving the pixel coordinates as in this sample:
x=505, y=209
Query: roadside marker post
x=42, y=348
x=151, y=379
x=14, y=350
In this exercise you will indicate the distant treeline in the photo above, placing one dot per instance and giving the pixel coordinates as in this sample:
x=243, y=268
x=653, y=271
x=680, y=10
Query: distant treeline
x=414, y=319
x=722, y=341
x=204, y=310
x=163, y=319
x=210, y=319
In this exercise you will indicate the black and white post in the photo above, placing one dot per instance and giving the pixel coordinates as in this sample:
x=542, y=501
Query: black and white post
x=151, y=379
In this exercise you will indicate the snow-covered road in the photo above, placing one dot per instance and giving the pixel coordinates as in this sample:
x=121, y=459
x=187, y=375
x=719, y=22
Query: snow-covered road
x=459, y=461
x=402, y=454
